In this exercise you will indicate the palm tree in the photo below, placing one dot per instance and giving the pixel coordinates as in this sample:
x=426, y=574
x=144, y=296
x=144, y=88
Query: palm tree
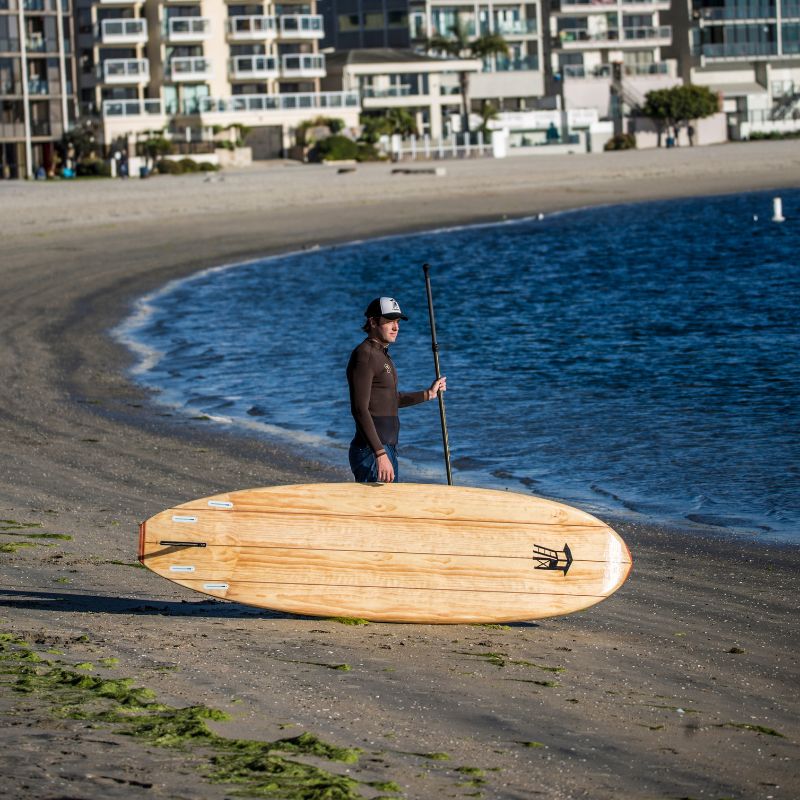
x=459, y=45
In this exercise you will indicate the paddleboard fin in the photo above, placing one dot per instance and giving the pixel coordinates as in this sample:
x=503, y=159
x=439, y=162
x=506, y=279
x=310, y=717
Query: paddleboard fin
x=546, y=558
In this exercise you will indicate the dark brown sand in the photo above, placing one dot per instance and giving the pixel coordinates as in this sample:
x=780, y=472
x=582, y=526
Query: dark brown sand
x=674, y=687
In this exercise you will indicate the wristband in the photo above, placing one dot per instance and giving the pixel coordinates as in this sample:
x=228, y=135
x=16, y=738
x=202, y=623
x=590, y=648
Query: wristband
x=380, y=453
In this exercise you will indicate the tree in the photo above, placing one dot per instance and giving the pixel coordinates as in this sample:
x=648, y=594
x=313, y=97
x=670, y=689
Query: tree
x=395, y=120
x=676, y=107
x=459, y=45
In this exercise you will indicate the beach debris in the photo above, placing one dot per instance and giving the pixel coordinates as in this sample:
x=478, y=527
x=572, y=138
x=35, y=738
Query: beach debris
x=439, y=172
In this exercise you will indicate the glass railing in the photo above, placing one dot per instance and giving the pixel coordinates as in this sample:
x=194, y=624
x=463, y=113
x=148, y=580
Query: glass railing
x=739, y=11
x=517, y=27
x=188, y=27
x=131, y=108
x=504, y=64
x=389, y=91
x=123, y=29
x=270, y=102
x=37, y=86
x=790, y=10
x=739, y=49
x=252, y=27
x=254, y=65
x=189, y=66
x=122, y=69
x=302, y=62
x=570, y=35
x=309, y=25
x=639, y=34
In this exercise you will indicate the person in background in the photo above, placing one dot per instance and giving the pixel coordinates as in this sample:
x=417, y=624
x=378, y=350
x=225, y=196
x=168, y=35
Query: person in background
x=375, y=398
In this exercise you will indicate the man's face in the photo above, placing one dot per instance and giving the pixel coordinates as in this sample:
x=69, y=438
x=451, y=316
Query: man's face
x=386, y=330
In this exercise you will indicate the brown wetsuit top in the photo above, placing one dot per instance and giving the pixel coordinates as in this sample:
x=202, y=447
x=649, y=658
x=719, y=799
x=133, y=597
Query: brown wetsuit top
x=374, y=398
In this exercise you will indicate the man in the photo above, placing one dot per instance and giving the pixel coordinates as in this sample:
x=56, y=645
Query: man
x=374, y=397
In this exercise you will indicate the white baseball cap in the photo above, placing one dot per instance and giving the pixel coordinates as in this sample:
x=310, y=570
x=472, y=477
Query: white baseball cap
x=386, y=307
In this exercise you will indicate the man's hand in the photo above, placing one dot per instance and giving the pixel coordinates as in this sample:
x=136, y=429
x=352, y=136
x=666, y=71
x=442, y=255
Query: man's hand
x=385, y=469
x=438, y=385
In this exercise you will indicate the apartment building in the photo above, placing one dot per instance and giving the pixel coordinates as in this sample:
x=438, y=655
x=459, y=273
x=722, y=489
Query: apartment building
x=191, y=65
x=749, y=52
x=510, y=82
x=385, y=78
x=608, y=54
x=37, y=100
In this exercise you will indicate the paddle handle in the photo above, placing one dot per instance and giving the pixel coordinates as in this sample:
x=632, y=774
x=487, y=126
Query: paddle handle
x=435, y=347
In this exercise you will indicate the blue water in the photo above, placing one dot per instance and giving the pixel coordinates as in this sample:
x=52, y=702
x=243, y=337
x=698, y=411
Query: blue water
x=639, y=360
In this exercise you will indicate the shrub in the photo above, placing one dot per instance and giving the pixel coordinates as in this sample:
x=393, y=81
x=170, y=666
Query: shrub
x=335, y=148
x=622, y=141
x=368, y=152
x=167, y=167
x=207, y=166
x=188, y=165
x=756, y=135
x=94, y=167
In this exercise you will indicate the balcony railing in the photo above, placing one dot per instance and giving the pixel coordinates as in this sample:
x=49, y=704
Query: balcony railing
x=517, y=27
x=280, y=102
x=37, y=86
x=302, y=65
x=389, y=91
x=188, y=29
x=252, y=28
x=743, y=11
x=526, y=63
x=646, y=34
x=123, y=31
x=603, y=72
x=244, y=67
x=301, y=26
x=120, y=2
x=189, y=68
x=739, y=50
x=124, y=70
x=132, y=108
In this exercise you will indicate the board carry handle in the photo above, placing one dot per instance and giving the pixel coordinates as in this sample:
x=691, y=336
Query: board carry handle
x=170, y=543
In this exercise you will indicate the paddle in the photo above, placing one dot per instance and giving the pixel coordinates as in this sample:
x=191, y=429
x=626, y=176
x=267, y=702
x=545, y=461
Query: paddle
x=435, y=346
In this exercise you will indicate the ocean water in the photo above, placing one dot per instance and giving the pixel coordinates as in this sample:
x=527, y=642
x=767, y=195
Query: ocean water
x=636, y=360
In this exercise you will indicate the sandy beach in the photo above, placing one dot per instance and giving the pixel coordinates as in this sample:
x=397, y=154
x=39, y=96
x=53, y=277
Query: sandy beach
x=683, y=684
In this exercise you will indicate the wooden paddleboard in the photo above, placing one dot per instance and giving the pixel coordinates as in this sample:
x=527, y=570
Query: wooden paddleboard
x=389, y=552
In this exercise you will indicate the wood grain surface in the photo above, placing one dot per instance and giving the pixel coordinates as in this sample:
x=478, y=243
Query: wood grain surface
x=392, y=552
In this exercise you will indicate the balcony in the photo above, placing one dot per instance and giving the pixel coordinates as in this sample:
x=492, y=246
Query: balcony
x=302, y=65
x=252, y=28
x=132, y=108
x=516, y=27
x=739, y=50
x=389, y=91
x=256, y=103
x=187, y=29
x=603, y=72
x=37, y=86
x=746, y=12
x=189, y=68
x=301, y=26
x=244, y=68
x=121, y=2
x=124, y=70
x=523, y=64
x=123, y=31
x=582, y=39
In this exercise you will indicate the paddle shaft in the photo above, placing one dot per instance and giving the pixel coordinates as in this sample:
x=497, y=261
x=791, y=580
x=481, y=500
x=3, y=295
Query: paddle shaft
x=435, y=347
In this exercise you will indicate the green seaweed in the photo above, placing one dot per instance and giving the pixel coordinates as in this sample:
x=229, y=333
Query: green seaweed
x=531, y=744
x=433, y=756
x=13, y=525
x=12, y=547
x=85, y=665
x=349, y=620
x=492, y=626
x=502, y=660
x=476, y=772
x=135, y=564
x=63, y=536
x=259, y=769
x=746, y=726
x=109, y=662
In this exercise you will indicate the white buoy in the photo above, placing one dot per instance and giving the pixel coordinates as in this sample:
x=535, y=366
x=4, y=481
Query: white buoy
x=777, y=210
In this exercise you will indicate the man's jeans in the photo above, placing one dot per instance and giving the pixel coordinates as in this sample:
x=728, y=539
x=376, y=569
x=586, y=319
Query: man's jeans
x=365, y=466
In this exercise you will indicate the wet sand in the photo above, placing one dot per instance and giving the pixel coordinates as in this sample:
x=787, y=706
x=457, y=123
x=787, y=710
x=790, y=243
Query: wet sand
x=683, y=684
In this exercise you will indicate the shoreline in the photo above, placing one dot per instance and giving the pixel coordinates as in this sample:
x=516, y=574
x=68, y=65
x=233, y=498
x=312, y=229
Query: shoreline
x=701, y=626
